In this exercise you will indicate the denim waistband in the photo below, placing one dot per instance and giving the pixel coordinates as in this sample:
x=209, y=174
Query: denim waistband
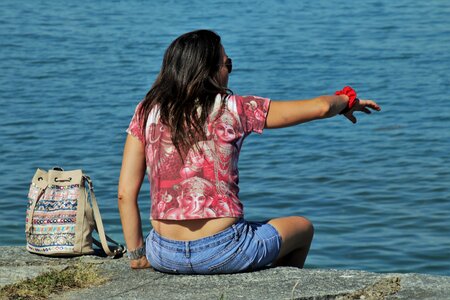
x=232, y=232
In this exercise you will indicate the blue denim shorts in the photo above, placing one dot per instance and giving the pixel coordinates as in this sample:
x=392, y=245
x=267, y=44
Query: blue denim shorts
x=244, y=246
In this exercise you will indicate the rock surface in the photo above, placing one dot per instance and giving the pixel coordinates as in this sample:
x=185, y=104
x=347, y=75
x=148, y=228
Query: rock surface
x=277, y=283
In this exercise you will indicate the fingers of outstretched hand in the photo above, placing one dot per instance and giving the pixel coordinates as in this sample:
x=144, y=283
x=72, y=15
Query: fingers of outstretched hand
x=363, y=104
x=366, y=110
x=351, y=117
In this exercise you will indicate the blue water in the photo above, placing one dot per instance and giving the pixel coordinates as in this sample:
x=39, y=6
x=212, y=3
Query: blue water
x=378, y=192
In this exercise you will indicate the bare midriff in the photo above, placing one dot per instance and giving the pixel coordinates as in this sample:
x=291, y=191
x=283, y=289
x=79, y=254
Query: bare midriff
x=188, y=230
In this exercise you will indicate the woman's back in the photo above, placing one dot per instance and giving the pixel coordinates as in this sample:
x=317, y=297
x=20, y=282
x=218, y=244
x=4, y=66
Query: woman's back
x=203, y=183
x=189, y=230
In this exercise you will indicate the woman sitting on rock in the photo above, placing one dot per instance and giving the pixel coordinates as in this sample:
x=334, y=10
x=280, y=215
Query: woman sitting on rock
x=187, y=134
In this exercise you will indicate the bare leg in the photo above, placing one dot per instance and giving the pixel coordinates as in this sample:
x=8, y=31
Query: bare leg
x=296, y=235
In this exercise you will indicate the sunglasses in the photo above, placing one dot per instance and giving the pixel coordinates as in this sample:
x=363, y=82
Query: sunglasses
x=228, y=64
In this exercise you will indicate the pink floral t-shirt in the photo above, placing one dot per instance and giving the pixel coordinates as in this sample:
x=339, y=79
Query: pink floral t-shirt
x=204, y=184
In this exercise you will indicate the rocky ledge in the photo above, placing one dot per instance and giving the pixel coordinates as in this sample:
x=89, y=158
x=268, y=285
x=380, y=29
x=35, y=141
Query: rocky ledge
x=17, y=265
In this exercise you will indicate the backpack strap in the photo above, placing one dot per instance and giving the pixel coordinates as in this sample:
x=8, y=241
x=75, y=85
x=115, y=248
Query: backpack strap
x=112, y=251
x=39, y=181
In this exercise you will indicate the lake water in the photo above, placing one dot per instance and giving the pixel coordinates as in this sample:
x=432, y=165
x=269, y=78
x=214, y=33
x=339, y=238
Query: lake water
x=378, y=192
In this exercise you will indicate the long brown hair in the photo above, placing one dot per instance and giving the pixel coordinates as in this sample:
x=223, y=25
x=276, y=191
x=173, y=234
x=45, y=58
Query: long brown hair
x=187, y=83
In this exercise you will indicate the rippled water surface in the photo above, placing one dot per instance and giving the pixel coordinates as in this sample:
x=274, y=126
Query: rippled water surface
x=378, y=192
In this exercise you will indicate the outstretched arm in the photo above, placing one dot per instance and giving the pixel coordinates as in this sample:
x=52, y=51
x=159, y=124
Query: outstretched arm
x=131, y=176
x=289, y=113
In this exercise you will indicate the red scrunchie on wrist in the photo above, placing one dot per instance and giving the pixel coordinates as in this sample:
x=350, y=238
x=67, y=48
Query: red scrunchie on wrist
x=351, y=94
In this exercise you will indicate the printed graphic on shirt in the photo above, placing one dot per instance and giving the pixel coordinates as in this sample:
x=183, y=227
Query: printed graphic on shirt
x=205, y=183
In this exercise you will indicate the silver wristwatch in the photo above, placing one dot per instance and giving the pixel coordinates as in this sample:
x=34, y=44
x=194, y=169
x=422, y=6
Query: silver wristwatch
x=137, y=253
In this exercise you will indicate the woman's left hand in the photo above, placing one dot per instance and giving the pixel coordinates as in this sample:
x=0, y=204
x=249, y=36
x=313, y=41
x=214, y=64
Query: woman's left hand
x=140, y=263
x=361, y=105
